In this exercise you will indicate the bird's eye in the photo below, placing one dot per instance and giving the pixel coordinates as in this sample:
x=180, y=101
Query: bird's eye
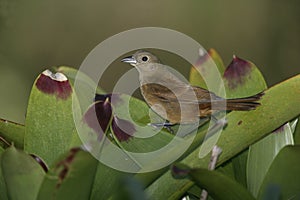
x=144, y=58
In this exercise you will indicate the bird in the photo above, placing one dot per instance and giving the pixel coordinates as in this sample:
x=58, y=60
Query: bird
x=176, y=100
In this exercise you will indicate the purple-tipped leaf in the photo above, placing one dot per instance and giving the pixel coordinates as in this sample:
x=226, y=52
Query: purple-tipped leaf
x=242, y=78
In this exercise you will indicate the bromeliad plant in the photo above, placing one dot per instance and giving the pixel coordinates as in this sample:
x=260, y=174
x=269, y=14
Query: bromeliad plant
x=44, y=159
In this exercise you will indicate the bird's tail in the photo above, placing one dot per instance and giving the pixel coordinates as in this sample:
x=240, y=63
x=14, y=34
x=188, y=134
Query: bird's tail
x=244, y=104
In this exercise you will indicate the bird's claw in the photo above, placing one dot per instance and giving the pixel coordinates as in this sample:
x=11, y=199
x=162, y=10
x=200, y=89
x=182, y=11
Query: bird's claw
x=165, y=125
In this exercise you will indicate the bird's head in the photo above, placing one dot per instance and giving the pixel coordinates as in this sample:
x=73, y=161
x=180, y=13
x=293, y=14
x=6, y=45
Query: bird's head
x=140, y=58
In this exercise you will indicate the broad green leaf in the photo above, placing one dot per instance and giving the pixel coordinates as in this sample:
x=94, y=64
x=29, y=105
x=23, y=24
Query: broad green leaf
x=50, y=129
x=262, y=154
x=284, y=174
x=242, y=130
x=218, y=185
x=12, y=132
x=3, y=191
x=22, y=174
x=71, y=177
x=100, y=190
x=240, y=79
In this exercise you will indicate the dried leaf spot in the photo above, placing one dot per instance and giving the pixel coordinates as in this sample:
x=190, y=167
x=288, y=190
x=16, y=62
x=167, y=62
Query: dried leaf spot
x=236, y=72
x=54, y=84
x=63, y=166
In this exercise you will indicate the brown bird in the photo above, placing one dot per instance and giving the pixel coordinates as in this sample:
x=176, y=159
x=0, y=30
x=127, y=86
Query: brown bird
x=175, y=100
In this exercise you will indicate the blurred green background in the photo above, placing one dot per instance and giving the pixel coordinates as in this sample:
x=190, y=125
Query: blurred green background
x=35, y=35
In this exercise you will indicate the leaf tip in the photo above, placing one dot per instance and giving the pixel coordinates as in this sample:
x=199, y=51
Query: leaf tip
x=54, y=84
x=180, y=171
x=236, y=72
x=122, y=129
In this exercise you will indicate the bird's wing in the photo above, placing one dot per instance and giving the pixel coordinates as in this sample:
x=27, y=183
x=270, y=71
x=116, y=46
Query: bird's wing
x=184, y=94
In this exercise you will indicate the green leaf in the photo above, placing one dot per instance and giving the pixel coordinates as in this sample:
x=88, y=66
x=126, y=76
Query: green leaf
x=50, y=129
x=12, y=132
x=241, y=79
x=3, y=190
x=218, y=185
x=284, y=174
x=22, y=174
x=262, y=154
x=243, y=129
x=71, y=177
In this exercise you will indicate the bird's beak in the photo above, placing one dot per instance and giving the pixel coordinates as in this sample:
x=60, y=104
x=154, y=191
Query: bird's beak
x=129, y=60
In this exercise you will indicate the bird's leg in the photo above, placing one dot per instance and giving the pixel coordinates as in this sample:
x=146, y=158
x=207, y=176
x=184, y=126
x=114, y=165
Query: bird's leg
x=166, y=125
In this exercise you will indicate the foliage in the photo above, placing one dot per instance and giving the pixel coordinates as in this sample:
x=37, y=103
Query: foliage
x=45, y=158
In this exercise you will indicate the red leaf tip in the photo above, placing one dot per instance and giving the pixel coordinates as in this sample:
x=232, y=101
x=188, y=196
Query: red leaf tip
x=54, y=84
x=236, y=71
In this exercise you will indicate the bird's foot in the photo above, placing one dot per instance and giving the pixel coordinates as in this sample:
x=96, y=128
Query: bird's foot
x=166, y=125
